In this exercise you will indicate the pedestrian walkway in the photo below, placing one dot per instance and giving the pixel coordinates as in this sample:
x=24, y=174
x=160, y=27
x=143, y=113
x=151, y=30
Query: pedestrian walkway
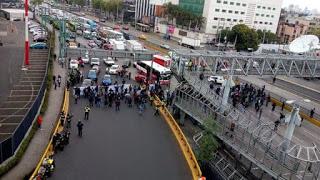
x=40, y=140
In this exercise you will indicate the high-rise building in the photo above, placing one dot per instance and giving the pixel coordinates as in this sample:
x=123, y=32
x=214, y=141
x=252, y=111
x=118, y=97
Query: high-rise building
x=193, y=6
x=144, y=9
x=257, y=14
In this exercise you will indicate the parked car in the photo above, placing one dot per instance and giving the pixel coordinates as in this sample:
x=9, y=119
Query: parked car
x=39, y=45
x=106, y=81
x=216, y=79
x=92, y=74
x=95, y=61
x=74, y=64
x=96, y=68
x=40, y=38
x=114, y=69
x=109, y=61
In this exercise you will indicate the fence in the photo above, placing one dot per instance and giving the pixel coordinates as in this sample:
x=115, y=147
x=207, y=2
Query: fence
x=254, y=140
x=9, y=146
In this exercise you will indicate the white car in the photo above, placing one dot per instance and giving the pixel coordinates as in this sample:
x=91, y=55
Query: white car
x=86, y=59
x=216, y=79
x=109, y=61
x=74, y=64
x=96, y=68
x=165, y=46
x=95, y=61
x=113, y=69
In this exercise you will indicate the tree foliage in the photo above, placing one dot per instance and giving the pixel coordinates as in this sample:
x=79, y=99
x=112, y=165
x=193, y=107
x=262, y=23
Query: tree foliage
x=208, y=143
x=242, y=35
x=81, y=3
x=111, y=6
x=267, y=37
x=182, y=16
x=315, y=31
x=36, y=2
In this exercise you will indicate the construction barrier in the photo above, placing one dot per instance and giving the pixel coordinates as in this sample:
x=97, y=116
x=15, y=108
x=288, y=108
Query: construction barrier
x=182, y=140
x=58, y=128
x=302, y=114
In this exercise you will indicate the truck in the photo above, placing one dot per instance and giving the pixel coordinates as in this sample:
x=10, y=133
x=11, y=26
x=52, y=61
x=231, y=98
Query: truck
x=190, y=42
x=133, y=45
x=117, y=45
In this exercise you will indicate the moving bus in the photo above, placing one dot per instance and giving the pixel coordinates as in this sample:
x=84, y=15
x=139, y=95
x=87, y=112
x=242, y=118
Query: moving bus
x=162, y=60
x=89, y=22
x=159, y=73
x=111, y=34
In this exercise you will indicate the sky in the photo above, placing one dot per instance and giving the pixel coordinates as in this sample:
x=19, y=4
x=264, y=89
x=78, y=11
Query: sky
x=311, y=4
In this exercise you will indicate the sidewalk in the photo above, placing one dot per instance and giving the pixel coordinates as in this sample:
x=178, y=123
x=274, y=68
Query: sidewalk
x=40, y=140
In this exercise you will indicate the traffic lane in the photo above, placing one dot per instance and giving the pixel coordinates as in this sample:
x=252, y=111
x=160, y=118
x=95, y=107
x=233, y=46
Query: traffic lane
x=120, y=145
x=298, y=90
x=151, y=37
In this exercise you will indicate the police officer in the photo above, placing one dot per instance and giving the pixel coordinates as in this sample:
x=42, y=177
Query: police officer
x=86, y=112
x=80, y=127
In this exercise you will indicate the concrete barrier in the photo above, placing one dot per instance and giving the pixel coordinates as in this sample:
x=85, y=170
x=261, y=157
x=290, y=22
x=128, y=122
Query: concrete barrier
x=182, y=140
x=58, y=128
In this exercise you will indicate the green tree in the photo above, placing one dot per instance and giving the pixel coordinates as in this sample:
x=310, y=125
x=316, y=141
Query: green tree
x=81, y=3
x=244, y=37
x=267, y=37
x=208, y=143
x=35, y=3
x=315, y=31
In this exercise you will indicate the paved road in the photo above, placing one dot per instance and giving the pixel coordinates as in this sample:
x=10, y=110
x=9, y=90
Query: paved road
x=120, y=145
x=300, y=90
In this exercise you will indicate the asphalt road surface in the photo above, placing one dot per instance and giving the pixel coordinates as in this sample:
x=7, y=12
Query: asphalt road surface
x=298, y=90
x=120, y=145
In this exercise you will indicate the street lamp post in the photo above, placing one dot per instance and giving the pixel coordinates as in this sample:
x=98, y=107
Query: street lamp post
x=26, y=45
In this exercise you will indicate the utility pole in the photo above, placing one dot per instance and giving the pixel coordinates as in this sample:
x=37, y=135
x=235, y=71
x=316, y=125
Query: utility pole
x=26, y=45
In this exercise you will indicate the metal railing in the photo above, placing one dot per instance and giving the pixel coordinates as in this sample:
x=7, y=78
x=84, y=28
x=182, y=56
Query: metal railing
x=256, y=141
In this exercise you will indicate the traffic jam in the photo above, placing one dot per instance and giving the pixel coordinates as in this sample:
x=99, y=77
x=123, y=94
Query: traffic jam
x=106, y=71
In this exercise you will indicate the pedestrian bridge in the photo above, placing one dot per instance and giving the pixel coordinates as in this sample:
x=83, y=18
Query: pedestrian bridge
x=253, y=140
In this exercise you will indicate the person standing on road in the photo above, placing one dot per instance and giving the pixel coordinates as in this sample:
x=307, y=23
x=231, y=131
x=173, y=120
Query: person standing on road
x=283, y=104
x=312, y=112
x=86, y=112
x=69, y=117
x=59, y=80
x=80, y=127
x=54, y=79
x=55, y=85
x=273, y=106
x=117, y=102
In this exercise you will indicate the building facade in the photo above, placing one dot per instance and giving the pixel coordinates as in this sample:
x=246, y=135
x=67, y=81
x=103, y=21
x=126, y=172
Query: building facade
x=291, y=28
x=193, y=6
x=257, y=14
x=144, y=9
